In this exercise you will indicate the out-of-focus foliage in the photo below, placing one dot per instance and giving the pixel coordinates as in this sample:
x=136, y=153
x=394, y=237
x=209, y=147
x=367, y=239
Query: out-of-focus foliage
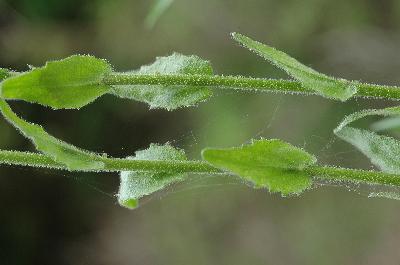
x=159, y=7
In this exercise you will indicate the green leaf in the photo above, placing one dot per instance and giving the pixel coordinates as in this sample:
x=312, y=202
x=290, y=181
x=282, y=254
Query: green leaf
x=135, y=184
x=73, y=157
x=169, y=97
x=69, y=83
x=322, y=84
x=266, y=163
x=383, y=151
x=4, y=73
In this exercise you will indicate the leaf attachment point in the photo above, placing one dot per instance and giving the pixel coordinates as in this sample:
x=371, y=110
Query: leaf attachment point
x=65, y=84
x=169, y=97
x=322, y=84
x=266, y=163
x=136, y=184
x=383, y=151
x=69, y=155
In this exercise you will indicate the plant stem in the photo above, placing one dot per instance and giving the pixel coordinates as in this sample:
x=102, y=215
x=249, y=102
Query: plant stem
x=28, y=159
x=354, y=175
x=242, y=83
x=199, y=167
x=110, y=164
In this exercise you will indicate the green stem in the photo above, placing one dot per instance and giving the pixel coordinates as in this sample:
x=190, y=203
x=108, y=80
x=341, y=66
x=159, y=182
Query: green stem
x=242, y=83
x=110, y=164
x=354, y=175
x=199, y=167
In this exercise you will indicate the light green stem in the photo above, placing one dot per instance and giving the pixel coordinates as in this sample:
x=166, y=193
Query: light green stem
x=110, y=164
x=242, y=83
x=199, y=167
x=354, y=175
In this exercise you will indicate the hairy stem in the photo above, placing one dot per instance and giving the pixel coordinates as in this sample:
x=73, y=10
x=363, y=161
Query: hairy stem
x=242, y=83
x=200, y=167
x=110, y=164
x=354, y=175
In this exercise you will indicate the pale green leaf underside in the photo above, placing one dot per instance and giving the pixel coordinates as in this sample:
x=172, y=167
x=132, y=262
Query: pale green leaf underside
x=266, y=163
x=322, y=84
x=383, y=151
x=71, y=156
x=69, y=83
x=169, y=97
x=135, y=184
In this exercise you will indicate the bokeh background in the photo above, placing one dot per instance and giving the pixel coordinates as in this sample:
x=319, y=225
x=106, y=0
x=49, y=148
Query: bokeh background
x=54, y=217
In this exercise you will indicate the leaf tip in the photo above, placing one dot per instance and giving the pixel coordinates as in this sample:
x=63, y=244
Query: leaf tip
x=129, y=203
x=205, y=153
x=233, y=34
x=238, y=37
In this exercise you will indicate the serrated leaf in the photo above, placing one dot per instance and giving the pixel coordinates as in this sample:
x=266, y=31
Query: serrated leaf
x=69, y=83
x=135, y=184
x=73, y=157
x=169, y=97
x=266, y=163
x=324, y=85
x=383, y=151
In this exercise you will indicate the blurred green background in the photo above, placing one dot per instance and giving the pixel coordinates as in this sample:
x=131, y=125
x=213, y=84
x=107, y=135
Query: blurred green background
x=51, y=217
